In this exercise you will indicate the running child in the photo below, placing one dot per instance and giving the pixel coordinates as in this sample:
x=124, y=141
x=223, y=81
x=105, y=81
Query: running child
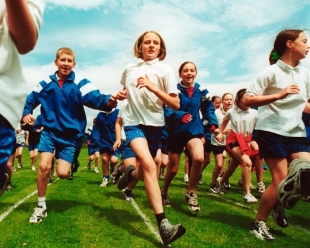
x=185, y=129
x=62, y=96
x=281, y=92
x=20, y=22
x=148, y=85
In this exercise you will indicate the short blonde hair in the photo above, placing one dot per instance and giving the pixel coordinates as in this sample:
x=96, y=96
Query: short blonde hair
x=138, y=51
x=65, y=50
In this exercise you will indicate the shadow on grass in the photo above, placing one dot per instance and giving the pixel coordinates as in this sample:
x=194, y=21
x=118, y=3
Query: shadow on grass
x=125, y=219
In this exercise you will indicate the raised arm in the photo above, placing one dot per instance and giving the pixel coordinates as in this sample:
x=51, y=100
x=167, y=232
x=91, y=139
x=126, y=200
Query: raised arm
x=21, y=25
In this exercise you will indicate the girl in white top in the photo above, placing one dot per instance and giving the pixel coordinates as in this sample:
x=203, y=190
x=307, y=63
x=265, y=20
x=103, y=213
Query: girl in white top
x=218, y=148
x=281, y=92
x=239, y=143
x=148, y=85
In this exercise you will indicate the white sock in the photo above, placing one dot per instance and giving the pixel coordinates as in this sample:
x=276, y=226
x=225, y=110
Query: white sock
x=42, y=202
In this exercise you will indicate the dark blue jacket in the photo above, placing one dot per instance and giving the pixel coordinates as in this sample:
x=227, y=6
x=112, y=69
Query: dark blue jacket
x=199, y=102
x=62, y=109
x=105, y=123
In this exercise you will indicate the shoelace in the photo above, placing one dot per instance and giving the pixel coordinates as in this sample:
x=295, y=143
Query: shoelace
x=280, y=211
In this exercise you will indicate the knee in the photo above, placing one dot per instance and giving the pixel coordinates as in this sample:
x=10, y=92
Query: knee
x=63, y=174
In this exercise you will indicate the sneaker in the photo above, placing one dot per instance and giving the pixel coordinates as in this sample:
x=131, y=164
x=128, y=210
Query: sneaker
x=186, y=180
x=9, y=187
x=14, y=169
x=220, y=187
x=227, y=184
x=116, y=174
x=124, y=180
x=33, y=168
x=19, y=166
x=127, y=194
x=249, y=199
x=306, y=198
x=38, y=215
x=296, y=184
x=162, y=173
x=241, y=184
x=5, y=181
x=260, y=188
x=96, y=170
x=104, y=183
x=261, y=231
x=165, y=200
x=279, y=216
x=88, y=166
x=213, y=189
x=200, y=181
x=169, y=232
x=191, y=200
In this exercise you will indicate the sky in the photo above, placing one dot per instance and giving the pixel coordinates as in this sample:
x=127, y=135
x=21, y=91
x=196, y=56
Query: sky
x=229, y=41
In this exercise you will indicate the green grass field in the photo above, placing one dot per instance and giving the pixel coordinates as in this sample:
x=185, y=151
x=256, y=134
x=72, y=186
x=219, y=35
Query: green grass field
x=81, y=214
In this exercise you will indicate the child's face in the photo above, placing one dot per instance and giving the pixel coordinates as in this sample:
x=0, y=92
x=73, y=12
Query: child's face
x=217, y=103
x=150, y=46
x=301, y=46
x=227, y=101
x=188, y=74
x=65, y=63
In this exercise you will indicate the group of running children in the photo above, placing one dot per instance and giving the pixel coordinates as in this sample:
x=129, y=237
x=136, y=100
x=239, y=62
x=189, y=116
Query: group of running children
x=155, y=101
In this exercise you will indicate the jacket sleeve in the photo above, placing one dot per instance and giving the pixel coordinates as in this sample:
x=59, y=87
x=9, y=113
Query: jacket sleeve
x=92, y=97
x=207, y=110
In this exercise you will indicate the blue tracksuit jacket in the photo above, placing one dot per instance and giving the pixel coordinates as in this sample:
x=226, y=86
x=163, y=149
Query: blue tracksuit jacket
x=200, y=101
x=62, y=109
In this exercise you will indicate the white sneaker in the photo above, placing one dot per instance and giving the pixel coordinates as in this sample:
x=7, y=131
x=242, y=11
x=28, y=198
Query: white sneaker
x=96, y=170
x=19, y=166
x=33, y=168
x=260, y=188
x=249, y=199
x=104, y=183
x=38, y=215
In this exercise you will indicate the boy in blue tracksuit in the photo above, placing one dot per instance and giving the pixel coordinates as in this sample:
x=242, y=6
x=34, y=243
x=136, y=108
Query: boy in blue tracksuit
x=105, y=122
x=186, y=130
x=62, y=96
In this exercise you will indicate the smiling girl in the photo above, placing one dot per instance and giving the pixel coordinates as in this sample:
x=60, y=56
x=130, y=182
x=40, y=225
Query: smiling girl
x=185, y=130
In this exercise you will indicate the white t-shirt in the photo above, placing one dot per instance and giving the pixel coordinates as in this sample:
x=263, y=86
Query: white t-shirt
x=220, y=113
x=144, y=107
x=242, y=122
x=283, y=116
x=13, y=87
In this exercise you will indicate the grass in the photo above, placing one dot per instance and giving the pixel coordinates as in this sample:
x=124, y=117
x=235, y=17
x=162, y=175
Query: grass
x=81, y=214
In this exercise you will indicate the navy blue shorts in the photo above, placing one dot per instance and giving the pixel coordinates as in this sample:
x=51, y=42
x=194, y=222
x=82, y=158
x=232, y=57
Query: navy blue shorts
x=218, y=149
x=177, y=142
x=92, y=149
x=7, y=144
x=207, y=146
x=126, y=150
x=64, y=147
x=164, y=146
x=150, y=133
x=32, y=147
x=275, y=145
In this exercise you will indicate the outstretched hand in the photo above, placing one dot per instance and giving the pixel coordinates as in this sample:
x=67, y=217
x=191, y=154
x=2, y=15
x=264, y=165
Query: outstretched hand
x=28, y=119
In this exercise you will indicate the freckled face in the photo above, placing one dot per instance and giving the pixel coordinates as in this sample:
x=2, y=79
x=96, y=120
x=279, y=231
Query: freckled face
x=65, y=63
x=188, y=74
x=150, y=46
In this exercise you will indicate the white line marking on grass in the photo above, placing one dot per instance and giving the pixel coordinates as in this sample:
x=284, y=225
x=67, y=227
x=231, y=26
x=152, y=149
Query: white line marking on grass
x=146, y=220
x=10, y=209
